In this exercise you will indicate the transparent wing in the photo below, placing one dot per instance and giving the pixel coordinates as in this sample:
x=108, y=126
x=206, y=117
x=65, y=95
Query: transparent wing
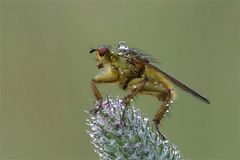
x=180, y=84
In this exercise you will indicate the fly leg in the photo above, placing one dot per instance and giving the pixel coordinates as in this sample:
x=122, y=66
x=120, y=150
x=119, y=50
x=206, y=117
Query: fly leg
x=164, y=93
x=136, y=86
x=95, y=90
x=110, y=75
x=97, y=95
x=165, y=97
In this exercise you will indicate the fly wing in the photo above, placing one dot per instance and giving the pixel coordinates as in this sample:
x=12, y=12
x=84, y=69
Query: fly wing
x=180, y=84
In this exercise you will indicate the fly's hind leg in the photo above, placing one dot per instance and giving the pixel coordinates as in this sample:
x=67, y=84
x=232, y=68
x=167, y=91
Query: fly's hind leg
x=164, y=93
x=110, y=75
x=166, y=97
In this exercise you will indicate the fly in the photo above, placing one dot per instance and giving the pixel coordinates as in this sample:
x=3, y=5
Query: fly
x=134, y=72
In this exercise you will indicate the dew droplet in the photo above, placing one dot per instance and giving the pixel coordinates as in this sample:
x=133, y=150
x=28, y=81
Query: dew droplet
x=145, y=119
x=122, y=48
x=91, y=135
x=122, y=45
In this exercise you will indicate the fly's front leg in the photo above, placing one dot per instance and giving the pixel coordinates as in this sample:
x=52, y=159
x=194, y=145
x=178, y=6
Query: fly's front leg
x=109, y=75
x=95, y=90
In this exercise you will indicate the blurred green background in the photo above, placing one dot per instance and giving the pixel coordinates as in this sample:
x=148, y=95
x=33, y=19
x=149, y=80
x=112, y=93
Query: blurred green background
x=46, y=70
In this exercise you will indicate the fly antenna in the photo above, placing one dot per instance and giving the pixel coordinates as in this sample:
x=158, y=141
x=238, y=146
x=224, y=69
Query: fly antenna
x=92, y=50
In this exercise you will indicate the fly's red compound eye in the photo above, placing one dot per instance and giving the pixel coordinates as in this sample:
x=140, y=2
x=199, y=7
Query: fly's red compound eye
x=102, y=51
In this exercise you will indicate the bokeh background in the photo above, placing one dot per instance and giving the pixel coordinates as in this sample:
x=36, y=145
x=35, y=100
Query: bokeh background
x=46, y=70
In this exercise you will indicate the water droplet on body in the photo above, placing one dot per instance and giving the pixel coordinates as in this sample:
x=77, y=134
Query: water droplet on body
x=122, y=47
